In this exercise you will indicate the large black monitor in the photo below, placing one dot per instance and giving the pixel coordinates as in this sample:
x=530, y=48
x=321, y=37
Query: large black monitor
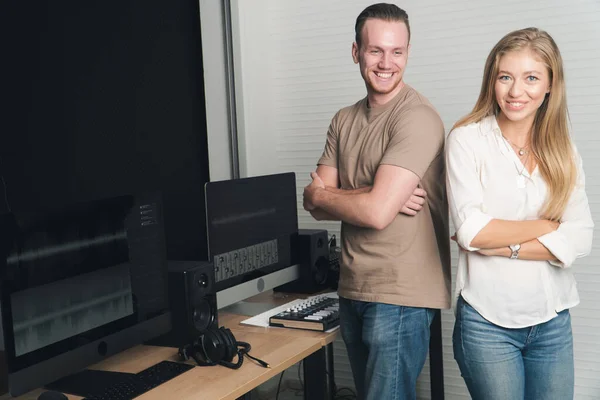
x=80, y=283
x=251, y=227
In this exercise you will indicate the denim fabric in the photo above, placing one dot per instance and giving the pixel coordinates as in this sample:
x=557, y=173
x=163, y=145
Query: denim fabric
x=387, y=347
x=533, y=363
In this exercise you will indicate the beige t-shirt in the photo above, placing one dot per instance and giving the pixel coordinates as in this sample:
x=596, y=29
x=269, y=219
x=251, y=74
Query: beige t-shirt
x=408, y=262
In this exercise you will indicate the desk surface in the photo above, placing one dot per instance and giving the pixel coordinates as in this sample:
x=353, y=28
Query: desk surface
x=280, y=347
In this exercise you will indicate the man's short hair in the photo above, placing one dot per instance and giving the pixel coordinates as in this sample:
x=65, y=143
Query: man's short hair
x=384, y=11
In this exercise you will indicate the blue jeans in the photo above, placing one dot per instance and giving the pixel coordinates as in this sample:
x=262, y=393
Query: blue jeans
x=387, y=347
x=533, y=363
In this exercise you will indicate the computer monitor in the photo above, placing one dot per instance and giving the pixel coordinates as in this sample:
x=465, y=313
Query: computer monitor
x=79, y=284
x=251, y=227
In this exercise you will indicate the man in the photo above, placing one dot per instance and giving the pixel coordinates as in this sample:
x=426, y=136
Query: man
x=395, y=267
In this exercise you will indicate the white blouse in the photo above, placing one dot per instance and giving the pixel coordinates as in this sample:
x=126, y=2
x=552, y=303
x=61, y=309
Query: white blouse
x=486, y=180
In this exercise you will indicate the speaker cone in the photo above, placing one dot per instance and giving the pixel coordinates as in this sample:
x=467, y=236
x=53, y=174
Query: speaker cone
x=203, y=316
x=321, y=270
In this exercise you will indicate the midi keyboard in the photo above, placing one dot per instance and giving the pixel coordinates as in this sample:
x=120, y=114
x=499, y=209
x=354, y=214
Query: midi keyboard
x=319, y=313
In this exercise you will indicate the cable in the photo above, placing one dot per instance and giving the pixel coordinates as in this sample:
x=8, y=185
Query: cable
x=349, y=396
x=241, y=353
x=332, y=241
x=245, y=351
x=279, y=385
x=336, y=391
x=196, y=351
x=299, y=377
x=258, y=360
x=236, y=365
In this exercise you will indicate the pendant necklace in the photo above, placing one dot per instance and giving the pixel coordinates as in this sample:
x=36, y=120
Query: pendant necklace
x=521, y=150
x=521, y=177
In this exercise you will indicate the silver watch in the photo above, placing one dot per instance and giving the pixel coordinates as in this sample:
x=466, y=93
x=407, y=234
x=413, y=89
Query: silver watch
x=514, y=248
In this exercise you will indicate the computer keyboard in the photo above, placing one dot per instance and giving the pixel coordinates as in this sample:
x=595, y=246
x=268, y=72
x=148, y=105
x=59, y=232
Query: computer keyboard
x=134, y=385
x=319, y=313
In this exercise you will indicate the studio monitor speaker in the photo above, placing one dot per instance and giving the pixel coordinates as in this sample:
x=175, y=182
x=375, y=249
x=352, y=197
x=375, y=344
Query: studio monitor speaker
x=311, y=251
x=193, y=302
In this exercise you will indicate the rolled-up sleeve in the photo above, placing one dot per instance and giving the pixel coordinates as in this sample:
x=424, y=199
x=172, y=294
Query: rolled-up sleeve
x=573, y=238
x=465, y=193
x=330, y=153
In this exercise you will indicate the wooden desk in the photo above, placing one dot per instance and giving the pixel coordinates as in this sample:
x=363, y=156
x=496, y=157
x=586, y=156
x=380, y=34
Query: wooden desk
x=280, y=347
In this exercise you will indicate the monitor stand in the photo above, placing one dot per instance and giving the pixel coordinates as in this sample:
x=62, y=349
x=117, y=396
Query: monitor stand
x=88, y=382
x=249, y=308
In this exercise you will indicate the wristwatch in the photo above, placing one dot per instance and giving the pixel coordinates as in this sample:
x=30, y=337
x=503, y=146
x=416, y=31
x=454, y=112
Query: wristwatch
x=514, y=248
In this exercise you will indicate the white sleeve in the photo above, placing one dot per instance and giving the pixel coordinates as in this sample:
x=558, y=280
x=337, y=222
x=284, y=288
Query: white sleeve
x=465, y=192
x=573, y=238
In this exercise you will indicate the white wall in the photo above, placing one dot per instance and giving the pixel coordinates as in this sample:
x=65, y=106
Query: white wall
x=294, y=71
x=256, y=131
x=215, y=87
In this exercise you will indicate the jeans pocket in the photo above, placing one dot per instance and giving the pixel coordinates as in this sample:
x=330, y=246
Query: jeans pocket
x=483, y=341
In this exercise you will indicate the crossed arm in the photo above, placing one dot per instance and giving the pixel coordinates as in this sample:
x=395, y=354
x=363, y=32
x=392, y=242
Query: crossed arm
x=559, y=243
x=394, y=190
x=497, y=235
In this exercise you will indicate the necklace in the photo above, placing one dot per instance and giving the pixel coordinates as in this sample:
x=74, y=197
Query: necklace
x=521, y=150
x=524, y=164
x=521, y=177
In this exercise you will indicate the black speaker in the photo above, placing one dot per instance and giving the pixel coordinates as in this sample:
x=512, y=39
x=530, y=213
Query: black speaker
x=192, y=300
x=310, y=249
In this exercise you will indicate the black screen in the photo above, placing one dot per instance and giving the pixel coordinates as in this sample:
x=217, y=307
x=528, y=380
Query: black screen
x=73, y=275
x=251, y=224
x=106, y=98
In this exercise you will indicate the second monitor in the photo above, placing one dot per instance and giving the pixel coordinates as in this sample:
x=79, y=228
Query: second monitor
x=251, y=226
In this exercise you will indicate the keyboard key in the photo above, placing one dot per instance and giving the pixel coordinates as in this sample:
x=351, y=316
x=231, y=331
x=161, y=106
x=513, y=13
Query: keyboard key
x=142, y=382
x=320, y=313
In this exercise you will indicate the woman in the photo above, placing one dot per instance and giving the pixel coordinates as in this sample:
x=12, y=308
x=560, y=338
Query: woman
x=517, y=199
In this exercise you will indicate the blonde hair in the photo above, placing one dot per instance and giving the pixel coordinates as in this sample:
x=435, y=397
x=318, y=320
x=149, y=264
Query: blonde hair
x=550, y=139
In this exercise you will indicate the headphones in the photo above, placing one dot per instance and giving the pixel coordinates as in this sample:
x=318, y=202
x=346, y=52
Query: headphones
x=218, y=347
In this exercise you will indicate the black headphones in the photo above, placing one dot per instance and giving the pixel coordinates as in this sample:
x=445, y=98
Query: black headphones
x=218, y=347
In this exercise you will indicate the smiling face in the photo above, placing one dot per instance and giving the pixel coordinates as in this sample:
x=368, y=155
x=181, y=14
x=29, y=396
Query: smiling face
x=522, y=84
x=382, y=58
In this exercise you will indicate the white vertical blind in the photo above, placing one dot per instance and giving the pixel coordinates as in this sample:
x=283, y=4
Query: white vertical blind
x=297, y=71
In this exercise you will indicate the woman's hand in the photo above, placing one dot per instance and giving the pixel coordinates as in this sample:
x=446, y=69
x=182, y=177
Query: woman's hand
x=499, y=252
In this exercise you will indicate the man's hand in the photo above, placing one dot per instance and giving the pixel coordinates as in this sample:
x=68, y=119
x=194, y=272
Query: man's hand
x=453, y=237
x=317, y=180
x=414, y=203
x=310, y=190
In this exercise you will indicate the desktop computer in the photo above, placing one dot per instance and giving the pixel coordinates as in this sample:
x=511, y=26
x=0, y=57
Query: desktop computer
x=80, y=283
x=252, y=225
x=82, y=259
